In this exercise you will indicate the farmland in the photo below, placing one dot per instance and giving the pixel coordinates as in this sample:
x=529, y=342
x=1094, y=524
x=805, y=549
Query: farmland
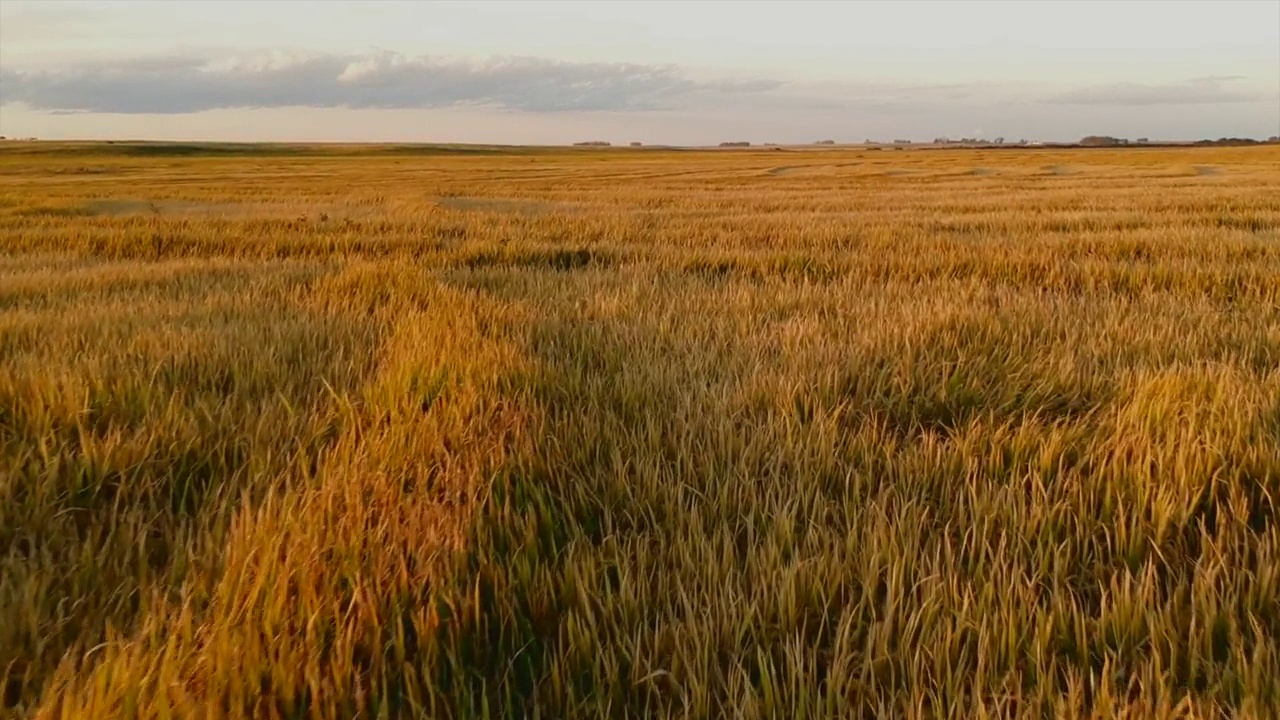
x=477, y=432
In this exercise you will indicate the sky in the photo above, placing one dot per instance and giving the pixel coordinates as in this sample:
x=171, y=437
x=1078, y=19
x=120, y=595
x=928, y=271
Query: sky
x=684, y=73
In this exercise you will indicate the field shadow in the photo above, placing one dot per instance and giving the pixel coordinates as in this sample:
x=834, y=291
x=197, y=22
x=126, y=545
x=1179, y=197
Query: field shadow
x=547, y=508
x=128, y=207
x=556, y=259
x=507, y=205
x=763, y=267
x=946, y=378
x=198, y=150
x=644, y=429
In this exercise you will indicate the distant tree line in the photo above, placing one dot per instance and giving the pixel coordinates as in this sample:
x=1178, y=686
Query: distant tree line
x=1235, y=141
x=1109, y=141
x=1102, y=141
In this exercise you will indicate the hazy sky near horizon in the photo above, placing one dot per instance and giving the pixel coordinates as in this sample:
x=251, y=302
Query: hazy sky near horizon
x=656, y=72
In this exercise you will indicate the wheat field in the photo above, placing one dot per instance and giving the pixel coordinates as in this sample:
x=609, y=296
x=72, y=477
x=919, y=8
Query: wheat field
x=449, y=432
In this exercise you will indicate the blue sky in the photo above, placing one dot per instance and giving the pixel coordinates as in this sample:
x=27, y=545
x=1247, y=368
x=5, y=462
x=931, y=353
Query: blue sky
x=684, y=73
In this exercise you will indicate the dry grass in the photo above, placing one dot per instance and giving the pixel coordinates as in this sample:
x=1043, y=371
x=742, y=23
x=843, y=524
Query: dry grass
x=403, y=432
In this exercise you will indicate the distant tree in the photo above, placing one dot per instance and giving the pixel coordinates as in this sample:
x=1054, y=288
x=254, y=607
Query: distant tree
x=825, y=142
x=736, y=143
x=1228, y=141
x=593, y=143
x=999, y=140
x=1100, y=141
x=635, y=144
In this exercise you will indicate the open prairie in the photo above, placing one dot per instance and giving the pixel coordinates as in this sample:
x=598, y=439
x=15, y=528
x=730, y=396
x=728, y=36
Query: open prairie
x=334, y=432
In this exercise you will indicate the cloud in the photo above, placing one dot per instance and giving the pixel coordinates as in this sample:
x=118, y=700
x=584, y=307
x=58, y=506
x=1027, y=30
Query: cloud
x=194, y=83
x=185, y=84
x=1196, y=91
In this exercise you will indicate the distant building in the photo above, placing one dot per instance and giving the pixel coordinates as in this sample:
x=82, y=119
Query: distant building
x=736, y=143
x=593, y=143
x=636, y=144
x=901, y=142
x=825, y=142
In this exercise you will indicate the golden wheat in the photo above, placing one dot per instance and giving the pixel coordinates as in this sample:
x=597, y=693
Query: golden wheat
x=342, y=432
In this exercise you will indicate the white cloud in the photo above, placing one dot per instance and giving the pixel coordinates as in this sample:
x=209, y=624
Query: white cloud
x=156, y=95
x=183, y=84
